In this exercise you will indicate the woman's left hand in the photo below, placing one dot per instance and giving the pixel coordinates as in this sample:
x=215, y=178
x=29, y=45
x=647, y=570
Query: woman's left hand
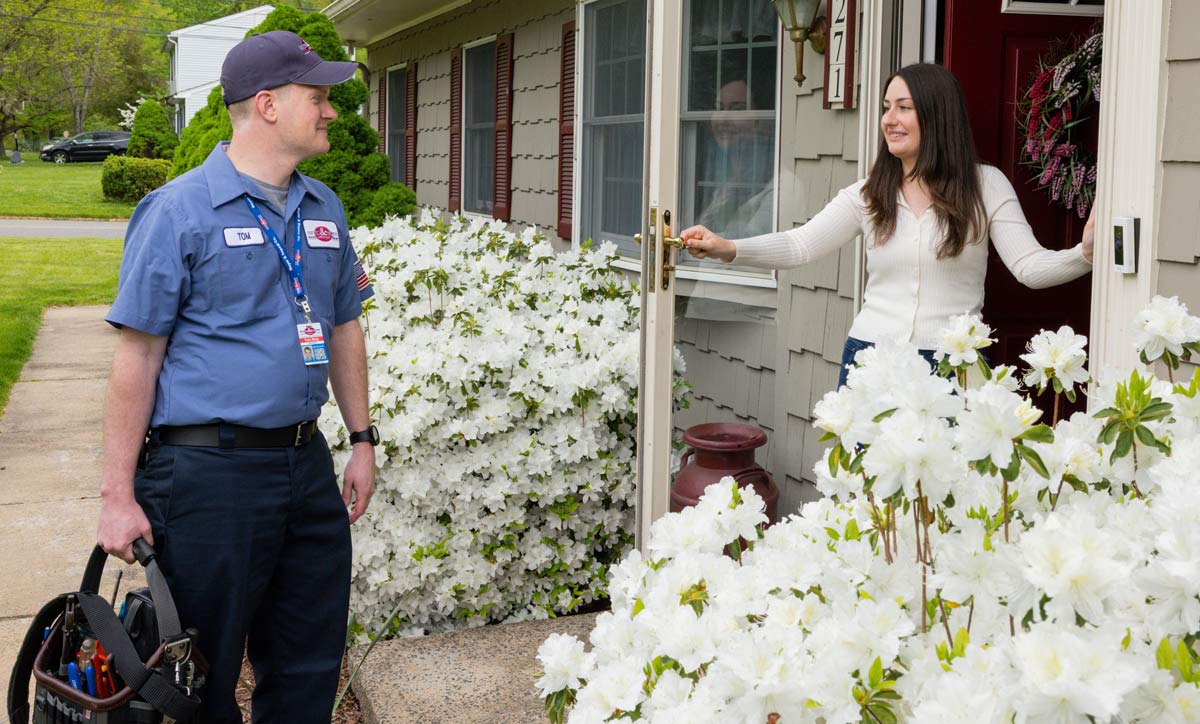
x=1089, y=235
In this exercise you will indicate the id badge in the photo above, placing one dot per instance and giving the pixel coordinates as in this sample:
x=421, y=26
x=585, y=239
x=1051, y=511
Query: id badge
x=312, y=343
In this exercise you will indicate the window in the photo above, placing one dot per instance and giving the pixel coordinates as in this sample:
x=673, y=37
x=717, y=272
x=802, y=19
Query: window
x=727, y=134
x=612, y=122
x=396, y=121
x=479, y=126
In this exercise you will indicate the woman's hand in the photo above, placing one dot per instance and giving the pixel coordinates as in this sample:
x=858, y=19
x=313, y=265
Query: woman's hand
x=702, y=244
x=1089, y=235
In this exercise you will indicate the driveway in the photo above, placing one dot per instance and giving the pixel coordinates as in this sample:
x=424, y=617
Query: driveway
x=63, y=228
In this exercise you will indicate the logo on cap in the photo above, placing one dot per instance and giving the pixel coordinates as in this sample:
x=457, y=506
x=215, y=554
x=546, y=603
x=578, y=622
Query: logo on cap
x=305, y=47
x=323, y=233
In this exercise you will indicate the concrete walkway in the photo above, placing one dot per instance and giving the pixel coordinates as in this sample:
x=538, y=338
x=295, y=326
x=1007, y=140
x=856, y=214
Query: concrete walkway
x=63, y=228
x=50, y=472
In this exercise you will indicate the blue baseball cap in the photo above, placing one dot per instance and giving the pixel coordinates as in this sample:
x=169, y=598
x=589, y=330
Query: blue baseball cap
x=276, y=58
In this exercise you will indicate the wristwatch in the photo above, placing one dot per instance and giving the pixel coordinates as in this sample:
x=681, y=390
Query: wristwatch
x=371, y=435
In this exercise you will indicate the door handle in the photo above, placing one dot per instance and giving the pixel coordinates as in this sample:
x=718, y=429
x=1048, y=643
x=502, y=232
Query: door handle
x=674, y=242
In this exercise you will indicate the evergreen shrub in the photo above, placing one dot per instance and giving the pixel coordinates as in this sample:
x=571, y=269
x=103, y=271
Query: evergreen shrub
x=152, y=135
x=129, y=179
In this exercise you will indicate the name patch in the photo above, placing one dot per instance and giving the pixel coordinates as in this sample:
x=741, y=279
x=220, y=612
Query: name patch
x=321, y=234
x=245, y=236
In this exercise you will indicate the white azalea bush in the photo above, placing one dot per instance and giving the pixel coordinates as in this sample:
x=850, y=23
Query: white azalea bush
x=504, y=384
x=969, y=563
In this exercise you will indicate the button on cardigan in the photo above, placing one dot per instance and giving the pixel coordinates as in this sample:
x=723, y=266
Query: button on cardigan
x=911, y=294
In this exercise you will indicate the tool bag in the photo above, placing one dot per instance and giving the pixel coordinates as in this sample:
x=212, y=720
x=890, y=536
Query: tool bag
x=161, y=687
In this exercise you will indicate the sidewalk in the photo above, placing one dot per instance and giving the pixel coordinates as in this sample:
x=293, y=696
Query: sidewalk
x=50, y=438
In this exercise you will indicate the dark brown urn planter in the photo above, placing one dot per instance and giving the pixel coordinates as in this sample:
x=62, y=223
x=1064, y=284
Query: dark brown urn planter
x=717, y=450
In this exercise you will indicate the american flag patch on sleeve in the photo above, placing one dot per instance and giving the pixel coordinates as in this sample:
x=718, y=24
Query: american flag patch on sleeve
x=361, y=277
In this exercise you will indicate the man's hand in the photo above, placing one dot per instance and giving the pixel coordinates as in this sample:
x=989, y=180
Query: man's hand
x=359, y=479
x=122, y=521
x=702, y=243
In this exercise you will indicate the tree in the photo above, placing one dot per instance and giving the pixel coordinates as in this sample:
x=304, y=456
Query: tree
x=353, y=167
x=152, y=135
x=77, y=56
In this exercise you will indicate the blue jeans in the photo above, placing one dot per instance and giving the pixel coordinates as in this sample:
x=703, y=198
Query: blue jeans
x=255, y=544
x=854, y=346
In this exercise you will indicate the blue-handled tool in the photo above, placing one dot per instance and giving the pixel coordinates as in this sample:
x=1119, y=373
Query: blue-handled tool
x=73, y=676
x=90, y=675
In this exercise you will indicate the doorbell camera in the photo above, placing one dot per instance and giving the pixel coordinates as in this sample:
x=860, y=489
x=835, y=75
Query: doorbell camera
x=1126, y=243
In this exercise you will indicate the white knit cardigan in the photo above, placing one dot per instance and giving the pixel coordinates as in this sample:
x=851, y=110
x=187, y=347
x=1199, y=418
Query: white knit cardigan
x=911, y=294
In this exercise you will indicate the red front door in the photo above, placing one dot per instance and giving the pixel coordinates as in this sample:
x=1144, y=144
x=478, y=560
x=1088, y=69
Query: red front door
x=995, y=55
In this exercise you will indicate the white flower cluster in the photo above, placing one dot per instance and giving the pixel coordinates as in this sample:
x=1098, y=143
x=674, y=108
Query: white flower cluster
x=967, y=565
x=504, y=385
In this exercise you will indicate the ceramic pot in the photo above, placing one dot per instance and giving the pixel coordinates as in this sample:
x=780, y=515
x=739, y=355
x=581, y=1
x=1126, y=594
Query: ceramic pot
x=719, y=449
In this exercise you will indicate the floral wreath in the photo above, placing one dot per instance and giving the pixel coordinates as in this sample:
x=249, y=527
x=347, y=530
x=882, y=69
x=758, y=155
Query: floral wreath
x=1054, y=105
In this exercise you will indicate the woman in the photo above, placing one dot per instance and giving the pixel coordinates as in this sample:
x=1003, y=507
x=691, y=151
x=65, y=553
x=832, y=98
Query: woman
x=926, y=211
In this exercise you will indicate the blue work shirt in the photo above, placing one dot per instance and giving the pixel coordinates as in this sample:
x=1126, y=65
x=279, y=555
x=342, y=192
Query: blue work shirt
x=198, y=269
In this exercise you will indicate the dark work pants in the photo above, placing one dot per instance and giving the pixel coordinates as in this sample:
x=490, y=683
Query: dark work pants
x=255, y=544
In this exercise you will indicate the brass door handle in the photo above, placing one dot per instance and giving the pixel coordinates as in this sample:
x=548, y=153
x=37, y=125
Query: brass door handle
x=671, y=241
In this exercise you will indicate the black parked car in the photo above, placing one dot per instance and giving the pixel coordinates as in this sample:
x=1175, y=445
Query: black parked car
x=89, y=146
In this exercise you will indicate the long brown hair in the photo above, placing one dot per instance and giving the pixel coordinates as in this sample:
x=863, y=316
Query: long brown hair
x=946, y=162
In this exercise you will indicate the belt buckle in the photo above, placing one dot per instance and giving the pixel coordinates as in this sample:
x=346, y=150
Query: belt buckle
x=299, y=433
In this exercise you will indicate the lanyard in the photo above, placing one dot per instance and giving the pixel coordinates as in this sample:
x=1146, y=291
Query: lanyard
x=295, y=269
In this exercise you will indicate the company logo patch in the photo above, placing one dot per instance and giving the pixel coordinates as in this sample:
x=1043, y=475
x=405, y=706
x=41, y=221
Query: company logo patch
x=305, y=47
x=244, y=236
x=321, y=234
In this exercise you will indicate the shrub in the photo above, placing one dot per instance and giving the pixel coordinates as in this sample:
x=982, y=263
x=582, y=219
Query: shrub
x=967, y=564
x=504, y=380
x=353, y=167
x=129, y=179
x=152, y=135
x=391, y=199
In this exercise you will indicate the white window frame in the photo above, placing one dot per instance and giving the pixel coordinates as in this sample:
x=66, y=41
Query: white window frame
x=462, y=136
x=766, y=280
x=1071, y=7
x=387, y=130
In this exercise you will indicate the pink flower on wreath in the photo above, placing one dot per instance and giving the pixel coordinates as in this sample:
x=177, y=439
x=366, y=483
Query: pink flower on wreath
x=1048, y=174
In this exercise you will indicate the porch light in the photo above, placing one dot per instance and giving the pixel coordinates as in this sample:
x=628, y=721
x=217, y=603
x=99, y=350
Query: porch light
x=799, y=18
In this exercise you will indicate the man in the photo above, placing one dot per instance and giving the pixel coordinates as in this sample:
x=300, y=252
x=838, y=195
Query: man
x=229, y=272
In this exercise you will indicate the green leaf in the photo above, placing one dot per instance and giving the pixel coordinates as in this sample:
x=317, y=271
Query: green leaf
x=883, y=713
x=1108, y=433
x=638, y=607
x=876, y=674
x=835, y=456
x=884, y=415
x=1034, y=460
x=1165, y=655
x=961, y=639
x=1128, y=638
x=1183, y=657
x=1013, y=468
x=1124, y=445
x=1038, y=433
x=1155, y=411
x=1145, y=436
x=1107, y=412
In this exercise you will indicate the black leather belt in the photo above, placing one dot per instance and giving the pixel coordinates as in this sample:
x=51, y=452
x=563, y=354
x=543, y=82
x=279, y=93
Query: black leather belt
x=224, y=435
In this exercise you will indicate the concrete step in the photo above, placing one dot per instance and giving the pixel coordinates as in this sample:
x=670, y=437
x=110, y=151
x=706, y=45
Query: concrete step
x=478, y=676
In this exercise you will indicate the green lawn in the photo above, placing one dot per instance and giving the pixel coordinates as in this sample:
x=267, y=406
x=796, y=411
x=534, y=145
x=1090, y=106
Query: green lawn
x=37, y=273
x=34, y=188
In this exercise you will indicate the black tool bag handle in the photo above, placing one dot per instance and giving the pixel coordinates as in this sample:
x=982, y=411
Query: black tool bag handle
x=149, y=684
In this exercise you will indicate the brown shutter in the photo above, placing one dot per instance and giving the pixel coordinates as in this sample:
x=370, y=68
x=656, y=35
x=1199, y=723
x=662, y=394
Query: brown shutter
x=566, y=129
x=502, y=168
x=410, y=127
x=455, y=201
x=381, y=117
